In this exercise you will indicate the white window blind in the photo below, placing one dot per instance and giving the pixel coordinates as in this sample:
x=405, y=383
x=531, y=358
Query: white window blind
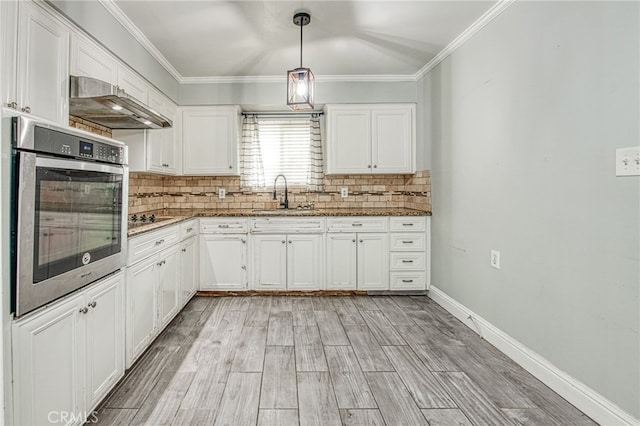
x=277, y=145
x=285, y=146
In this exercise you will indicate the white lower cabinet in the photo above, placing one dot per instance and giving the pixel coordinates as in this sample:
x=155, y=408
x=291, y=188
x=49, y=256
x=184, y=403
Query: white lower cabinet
x=168, y=285
x=188, y=268
x=373, y=261
x=156, y=284
x=269, y=262
x=342, y=270
x=408, y=256
x=68, y=356
x=223, y=261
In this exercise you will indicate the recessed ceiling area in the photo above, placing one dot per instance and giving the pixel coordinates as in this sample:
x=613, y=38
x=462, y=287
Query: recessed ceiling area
x=258, y=38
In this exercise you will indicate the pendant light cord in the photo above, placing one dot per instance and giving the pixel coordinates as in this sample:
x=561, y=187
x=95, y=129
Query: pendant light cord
x=301, y=25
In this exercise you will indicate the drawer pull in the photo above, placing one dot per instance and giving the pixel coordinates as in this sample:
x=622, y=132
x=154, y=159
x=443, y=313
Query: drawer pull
x=356, y=224
x=159, y=242
x=407, y=281
x=223, y=226
x=162, y=262
x=407, y=224
x=407, y=242
x=189, y=229
x=407, y=261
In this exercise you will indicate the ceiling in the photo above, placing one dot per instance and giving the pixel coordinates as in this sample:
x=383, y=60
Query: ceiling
x=201, y=39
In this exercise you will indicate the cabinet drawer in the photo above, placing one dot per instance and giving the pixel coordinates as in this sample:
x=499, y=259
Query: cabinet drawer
x=407, y=261
x=287, y=225
x=188, y=229
x=151, y=243
x=407, y=242
x=357, y=224
x=407, y=281
x=406, y=223
x=223, y=225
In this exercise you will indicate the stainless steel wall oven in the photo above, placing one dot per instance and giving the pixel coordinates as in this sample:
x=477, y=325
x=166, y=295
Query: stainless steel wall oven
x=69, y=211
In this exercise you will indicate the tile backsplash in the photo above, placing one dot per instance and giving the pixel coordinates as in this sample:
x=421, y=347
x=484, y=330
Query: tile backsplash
x=149, y=191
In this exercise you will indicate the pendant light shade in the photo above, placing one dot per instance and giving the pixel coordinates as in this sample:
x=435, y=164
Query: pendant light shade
x=300, y=81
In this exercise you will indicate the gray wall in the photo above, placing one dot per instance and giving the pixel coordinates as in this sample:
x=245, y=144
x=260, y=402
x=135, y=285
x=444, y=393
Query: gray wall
x=276, y=93
x=97, y=21
x=521, y=127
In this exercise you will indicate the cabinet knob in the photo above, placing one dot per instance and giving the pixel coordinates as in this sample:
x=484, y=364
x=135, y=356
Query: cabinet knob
x=353, y=241
x=283, y=241
x=369, y=166
x=375, y=166
x=361, y=241
x=27, y=110
x=12, y=105
x=289, y=241
x=84, y=310
x=243, y=241
x=244, y=266
x=184, y=250
x=93, y=304
x=231, y=167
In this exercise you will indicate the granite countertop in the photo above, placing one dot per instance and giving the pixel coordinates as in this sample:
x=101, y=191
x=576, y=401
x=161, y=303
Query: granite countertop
x=172, y=216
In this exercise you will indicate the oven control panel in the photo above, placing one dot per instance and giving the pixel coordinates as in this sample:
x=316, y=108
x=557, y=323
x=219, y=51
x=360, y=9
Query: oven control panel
x=78, y=146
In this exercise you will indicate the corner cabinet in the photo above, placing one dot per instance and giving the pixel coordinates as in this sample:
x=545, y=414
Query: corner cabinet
x=68, y=356
x=210, y=140
x=370, y=139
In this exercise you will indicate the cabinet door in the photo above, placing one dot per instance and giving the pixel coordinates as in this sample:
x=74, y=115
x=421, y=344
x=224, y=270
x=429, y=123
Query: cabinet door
x=269, y=262
x=188, y=269
x=349, y=140
x=142, y=279
x=305, y=262
x=209, y=141
x=90, y=60
x=132, y=84
x=169, y=284
x=49, y=364
x=223, y=262
x=8, y=39
x=393, y=140
x=341, y=261
x=160, y=151
x=105, y=338
x=43, y=64
x=373, y=262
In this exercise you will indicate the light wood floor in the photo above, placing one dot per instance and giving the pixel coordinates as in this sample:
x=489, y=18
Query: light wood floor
x=353, y=360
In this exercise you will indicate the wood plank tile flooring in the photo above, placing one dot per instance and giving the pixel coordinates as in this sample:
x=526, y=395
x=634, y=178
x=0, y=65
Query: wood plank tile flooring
x=327, y=360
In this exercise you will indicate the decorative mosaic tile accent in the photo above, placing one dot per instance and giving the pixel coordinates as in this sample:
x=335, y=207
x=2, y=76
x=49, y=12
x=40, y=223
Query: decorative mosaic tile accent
x=151, y=192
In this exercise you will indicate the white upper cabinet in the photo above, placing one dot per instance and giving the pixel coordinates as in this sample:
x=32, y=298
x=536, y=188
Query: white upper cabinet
x=133, y=84
x=376, y=138
x=39, y=85
x=210, y=140
x=87, y=59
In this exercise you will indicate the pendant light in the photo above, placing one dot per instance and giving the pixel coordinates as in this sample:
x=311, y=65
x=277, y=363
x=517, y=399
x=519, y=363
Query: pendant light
x=300, y=81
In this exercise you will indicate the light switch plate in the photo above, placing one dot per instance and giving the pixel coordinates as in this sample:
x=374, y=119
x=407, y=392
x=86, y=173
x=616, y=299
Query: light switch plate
x=495, y=259
x=628, y=161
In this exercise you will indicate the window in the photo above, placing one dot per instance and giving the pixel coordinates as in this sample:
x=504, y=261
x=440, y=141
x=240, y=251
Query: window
x=288, y=146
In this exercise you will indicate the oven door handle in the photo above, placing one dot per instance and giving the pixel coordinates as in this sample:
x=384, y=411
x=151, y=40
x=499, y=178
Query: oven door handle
x=58, y=163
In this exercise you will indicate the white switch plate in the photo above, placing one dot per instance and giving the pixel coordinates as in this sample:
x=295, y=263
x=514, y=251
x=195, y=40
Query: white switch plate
x=222, y=193
x=344, y=192
x=495, y=259
x=628, y=161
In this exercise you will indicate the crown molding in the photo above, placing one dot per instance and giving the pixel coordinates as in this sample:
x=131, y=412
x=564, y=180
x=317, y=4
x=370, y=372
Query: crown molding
x=124, y=20
x=487, y=17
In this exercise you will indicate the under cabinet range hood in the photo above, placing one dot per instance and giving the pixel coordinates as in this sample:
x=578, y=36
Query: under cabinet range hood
x=106, y=104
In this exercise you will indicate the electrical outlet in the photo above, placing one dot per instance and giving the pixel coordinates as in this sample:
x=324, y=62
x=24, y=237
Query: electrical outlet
x=222, y=193
x=344, y=192
x=495, y=259
x=628, y=161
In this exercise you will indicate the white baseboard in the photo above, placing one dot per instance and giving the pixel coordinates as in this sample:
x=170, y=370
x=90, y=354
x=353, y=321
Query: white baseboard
x=577, y=393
